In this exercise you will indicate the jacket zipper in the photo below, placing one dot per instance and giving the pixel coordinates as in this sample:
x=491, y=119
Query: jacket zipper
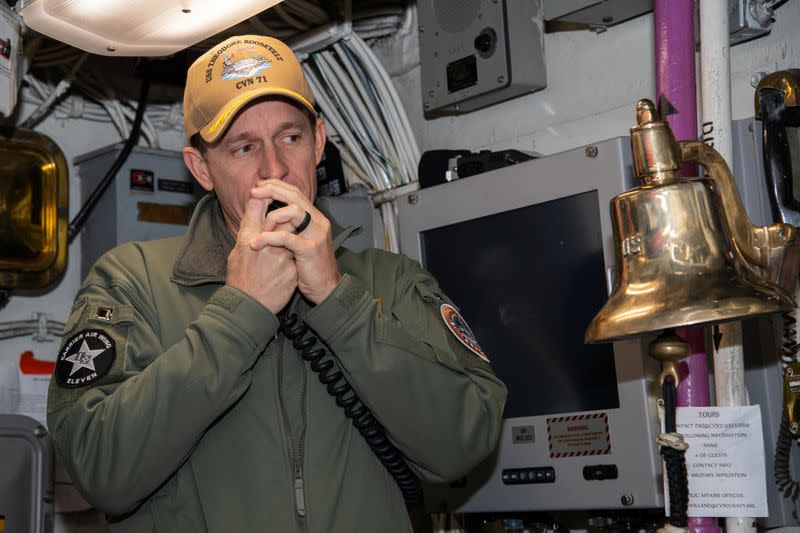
x=299, y=494
x=295, y=460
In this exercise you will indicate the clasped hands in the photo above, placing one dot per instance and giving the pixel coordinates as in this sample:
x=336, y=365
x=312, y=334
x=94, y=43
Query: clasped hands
x=269, y=260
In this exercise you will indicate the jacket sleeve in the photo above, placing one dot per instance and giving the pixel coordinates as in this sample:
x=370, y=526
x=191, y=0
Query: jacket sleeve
x=439, y=401
x=125, y=430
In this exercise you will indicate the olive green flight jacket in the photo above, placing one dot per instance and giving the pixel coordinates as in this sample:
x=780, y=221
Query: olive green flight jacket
x=207, y=419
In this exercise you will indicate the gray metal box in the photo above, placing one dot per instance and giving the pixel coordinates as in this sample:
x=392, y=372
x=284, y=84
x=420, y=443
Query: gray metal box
x=525, y=442
x=26, y=477
x=152, y=197
x=743, y=22
x=479, y=52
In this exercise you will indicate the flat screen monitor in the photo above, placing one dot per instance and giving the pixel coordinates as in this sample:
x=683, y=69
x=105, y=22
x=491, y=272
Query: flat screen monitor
x=526, y=314
x=527, y=254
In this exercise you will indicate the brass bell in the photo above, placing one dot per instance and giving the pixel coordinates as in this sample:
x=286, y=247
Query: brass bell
x=687, y=253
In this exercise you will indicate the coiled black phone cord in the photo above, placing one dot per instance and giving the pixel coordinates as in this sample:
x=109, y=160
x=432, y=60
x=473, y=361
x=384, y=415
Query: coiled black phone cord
x=789, y=354
x=346, y=398
x=783, y=448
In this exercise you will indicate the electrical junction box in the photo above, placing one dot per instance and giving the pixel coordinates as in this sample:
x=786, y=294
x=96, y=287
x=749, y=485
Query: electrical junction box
x=152, y=197
x=474, y=53
x=748, y=20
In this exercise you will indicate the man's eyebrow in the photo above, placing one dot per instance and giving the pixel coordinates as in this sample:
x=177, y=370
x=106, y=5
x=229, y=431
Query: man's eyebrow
x=289, y=124
x=232, y=139
x=244, y=136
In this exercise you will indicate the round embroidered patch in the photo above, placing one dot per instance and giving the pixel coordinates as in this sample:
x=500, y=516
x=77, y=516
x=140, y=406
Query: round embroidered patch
x=458, y=327
x=86, y=357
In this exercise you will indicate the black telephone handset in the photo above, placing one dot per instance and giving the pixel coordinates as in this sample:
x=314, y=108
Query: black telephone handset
x=273, y=205
x=779, y=110
x=373, y=432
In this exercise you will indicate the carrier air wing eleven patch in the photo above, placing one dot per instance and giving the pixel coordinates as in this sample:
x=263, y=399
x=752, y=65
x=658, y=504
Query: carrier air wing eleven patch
x=86, y=357
x=459, y=328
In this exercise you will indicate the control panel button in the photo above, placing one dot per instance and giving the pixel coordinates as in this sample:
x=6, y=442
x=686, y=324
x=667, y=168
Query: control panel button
x=524, y=476
x=600, y=472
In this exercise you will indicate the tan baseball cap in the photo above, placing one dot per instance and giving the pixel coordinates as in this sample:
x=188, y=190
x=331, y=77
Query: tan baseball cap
x=235, y=72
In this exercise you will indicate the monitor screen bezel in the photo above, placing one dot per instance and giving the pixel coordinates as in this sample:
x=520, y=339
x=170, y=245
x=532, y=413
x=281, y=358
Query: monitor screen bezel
x=633, y=426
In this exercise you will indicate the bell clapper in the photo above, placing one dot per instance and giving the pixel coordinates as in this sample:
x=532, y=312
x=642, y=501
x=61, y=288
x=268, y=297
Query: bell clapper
x=669, y=349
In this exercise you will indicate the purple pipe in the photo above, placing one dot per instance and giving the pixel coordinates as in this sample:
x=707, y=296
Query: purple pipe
x=676, y=95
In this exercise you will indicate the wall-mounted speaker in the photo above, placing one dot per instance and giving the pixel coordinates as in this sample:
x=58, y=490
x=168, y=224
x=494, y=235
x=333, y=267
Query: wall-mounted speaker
x=474, y=53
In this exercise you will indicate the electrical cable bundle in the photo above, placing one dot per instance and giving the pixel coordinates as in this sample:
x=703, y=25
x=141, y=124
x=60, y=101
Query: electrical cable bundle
x=369, y=124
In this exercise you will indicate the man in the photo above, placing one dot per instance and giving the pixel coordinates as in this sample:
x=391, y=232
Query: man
x=177, y=402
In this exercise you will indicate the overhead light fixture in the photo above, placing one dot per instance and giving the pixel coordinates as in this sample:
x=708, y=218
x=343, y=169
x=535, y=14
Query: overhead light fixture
x=136, y=28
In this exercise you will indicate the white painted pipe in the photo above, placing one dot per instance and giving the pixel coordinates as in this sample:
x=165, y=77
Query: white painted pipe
x=715, y=79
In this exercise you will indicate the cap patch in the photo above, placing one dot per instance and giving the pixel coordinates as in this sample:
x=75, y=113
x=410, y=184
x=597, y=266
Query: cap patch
x=86, y=357
x=459, y=328
x=243, y=68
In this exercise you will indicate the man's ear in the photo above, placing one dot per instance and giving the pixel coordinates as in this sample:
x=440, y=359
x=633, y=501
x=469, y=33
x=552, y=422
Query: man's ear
x=319, y=138
x=197, y=165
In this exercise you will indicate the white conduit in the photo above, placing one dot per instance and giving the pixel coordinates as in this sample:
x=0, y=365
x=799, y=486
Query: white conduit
x=337, y=121
x=354, y=64
x=716, y=131
x=344, y=100
x=40, y=327
x=371, y=105
x=389, y=94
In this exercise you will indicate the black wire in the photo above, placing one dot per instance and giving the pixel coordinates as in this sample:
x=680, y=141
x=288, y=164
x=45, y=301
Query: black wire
x=346, y=398
x=675, y=461
x=83, y=215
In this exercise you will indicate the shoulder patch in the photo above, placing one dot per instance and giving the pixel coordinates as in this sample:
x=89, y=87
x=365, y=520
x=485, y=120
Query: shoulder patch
x=459, y=328
x=85, y=357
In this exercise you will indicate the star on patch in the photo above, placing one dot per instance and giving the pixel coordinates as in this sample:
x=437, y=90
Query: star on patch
x=85, y=357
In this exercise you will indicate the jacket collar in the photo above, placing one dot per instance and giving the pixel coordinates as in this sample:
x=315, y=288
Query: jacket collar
x=203, y=258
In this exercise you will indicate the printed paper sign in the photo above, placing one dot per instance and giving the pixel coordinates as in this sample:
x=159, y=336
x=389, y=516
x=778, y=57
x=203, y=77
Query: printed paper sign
x=725, y=460
x=578, y=435
x=24, y=387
